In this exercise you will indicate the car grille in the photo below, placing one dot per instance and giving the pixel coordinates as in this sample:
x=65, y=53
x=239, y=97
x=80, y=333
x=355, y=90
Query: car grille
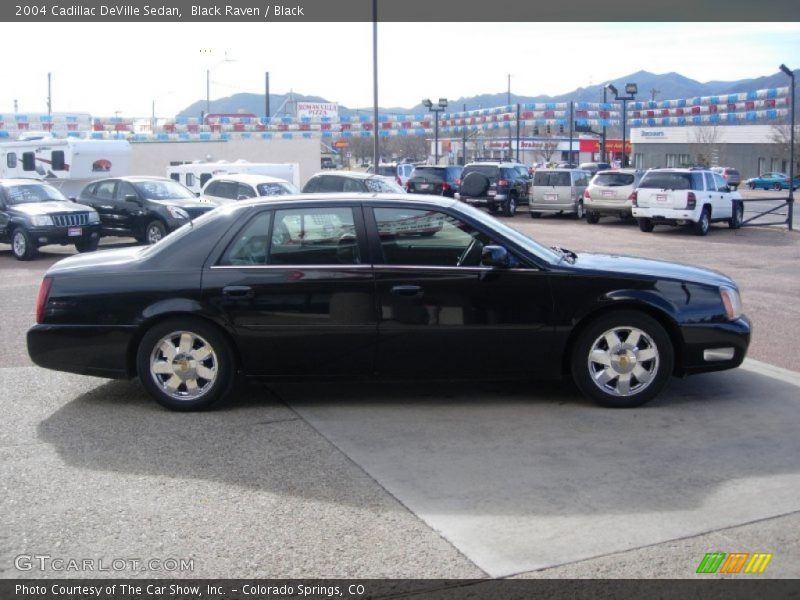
x=197, y=211
x=70, y=219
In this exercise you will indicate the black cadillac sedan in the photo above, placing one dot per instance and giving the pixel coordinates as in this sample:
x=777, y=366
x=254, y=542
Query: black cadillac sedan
x=389, y=286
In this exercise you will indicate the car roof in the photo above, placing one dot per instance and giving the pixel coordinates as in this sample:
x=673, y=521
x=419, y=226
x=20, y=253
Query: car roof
x=350, y=175
x=21, y=181
x=626, y=170
x=253, y=178
x=396, y=198
x=134, y=179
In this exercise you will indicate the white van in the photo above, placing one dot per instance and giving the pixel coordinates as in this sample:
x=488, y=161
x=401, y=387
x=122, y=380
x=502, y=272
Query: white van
x=558, y=191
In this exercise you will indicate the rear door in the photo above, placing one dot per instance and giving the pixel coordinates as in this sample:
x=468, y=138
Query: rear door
x=296, y=287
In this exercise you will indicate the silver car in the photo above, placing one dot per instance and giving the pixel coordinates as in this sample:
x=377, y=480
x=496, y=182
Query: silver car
x=558, y=191
x=610, y=193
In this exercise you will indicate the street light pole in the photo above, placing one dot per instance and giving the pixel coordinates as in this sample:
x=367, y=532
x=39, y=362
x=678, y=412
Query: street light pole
x=631, y=89
x=435, y=109
x=375, y=145
x=786, y=70
x=603, y=155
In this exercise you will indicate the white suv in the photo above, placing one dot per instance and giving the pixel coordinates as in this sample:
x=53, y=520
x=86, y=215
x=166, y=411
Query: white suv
x=695, y=197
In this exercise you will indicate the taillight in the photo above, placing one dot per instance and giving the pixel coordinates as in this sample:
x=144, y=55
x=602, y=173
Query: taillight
x=445, y=186
x=41, y=299
x=586, y=195
x=458, y=181
x=633, y=197
x=502, y=182
x=691, y=201
x=398, y=180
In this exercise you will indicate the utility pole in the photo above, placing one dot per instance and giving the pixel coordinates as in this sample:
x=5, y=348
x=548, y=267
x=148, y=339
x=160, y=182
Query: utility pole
x=49, y=96
x=266, y=95
x=653, y=93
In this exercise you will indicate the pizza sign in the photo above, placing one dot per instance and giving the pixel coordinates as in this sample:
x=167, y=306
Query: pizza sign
x=317, y=110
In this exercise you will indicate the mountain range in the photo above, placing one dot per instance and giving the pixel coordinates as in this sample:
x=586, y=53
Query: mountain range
x=660, y=86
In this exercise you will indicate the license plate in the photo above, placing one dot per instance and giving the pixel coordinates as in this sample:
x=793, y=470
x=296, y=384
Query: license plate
x=551, y=197
x=74, y=231
x=424, y=186
x=492, y=193
x=661, y=197
x=608, y=194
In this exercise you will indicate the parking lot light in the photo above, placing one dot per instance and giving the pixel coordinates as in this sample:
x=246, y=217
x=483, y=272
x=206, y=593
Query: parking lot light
x=631, y=89
x=787, y=71
x=435, y=109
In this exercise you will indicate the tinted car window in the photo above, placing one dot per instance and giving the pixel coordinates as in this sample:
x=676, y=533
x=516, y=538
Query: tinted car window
x=421, y=237
x=250, y=246
x=125, y=189
x=352, y=185
x=672, y=181
x=488, y=170
x=386, y=170
x=330, y=184
x=613, y=179
x=244, y=190
x=721, y=183
x=276, y=189
x=105, y=190
x=314, y=236
x=430, y=174
x=312, y=186
x=552, y=178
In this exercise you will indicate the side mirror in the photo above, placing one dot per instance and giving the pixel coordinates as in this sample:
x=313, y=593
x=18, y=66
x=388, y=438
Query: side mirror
x=242, y=197
x=73, y=199
x=495, y=256
x=132, y=198
x=727, y=188
x=197, y=194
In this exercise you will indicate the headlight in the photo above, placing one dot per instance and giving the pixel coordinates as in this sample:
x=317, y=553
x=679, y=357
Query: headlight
x=177, y=213
x=94, y=217
x=41, y=221
x=732, y=302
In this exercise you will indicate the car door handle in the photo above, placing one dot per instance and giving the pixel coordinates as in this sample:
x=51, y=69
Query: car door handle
x=237, y=292
x=409, y=291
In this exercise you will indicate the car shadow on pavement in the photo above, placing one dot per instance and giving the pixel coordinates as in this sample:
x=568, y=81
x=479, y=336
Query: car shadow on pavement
x=507, y=448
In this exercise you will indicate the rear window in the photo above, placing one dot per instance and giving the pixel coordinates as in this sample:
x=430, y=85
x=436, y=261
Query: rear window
x=429, y=173
x=388, y=171
x=490, y=171
x=613, y=179
x=552, y=178
x=673, y=181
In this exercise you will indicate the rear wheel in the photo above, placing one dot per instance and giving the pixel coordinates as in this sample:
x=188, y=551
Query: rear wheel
x=776, y=187
x=703, y=223
x=510, y=207
x=185, y=364
x=535, y=215
x=751, y=186
x=22, y=247
x=592, y=217
x=622, y=359
x=646, y=225
x=579, y=210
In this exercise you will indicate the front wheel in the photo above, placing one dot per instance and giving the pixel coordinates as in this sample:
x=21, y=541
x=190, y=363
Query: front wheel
x=89, y=245
x=737, y=216
x=535, y=215
x=622, y=359
x=185, y=364
x=751, y=186
x=579, y=210
x=646, y=225
x=154, y=232
x=22, y=247
x=776, y=187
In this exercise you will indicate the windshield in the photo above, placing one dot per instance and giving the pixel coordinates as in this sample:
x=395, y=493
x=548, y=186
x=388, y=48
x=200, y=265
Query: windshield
x=163, y=190
x=546, y=254
x=383, y=186
x=35, y=192
x=276, y=189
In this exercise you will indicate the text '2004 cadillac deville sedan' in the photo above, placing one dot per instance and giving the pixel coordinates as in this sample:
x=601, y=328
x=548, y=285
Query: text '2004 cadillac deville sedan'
x=390, y=286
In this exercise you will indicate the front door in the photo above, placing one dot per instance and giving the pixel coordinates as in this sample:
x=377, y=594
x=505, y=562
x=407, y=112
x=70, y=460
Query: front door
x=442, y=313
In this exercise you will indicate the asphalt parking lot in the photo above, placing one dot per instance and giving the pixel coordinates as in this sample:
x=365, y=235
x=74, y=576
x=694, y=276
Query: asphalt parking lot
x=444, y=480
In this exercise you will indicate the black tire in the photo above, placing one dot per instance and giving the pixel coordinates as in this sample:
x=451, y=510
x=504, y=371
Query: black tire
x=735, y=222
x=493, y=208
x=510, y=206
x=592, y=217
x=646, y=225
x=703, y=224
x=22, y=246
x=579, y=213
x=751, y=186
x=777, y=187
x=474, y=184
x=88, y=245
x=186, y=365
x=154, y=232
x=535, y=215
x=650, y=358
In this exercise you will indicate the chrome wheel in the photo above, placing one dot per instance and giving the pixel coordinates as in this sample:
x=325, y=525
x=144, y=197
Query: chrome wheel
x=19, y=244
x=184, y=365
x=623, y=361
x=154, y=233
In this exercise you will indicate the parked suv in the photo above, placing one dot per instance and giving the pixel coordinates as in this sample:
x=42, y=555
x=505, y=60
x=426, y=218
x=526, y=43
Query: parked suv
x=146, y=208
x=594, y=167
x=430, y=179
x=611, y=193
x=558, y=190
x=730, y=175
x=694, y=197
x=495, y=184
x=223, y=189
x=34, y=214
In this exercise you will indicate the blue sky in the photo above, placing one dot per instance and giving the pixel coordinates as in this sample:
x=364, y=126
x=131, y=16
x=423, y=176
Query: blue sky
x=104, y=68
